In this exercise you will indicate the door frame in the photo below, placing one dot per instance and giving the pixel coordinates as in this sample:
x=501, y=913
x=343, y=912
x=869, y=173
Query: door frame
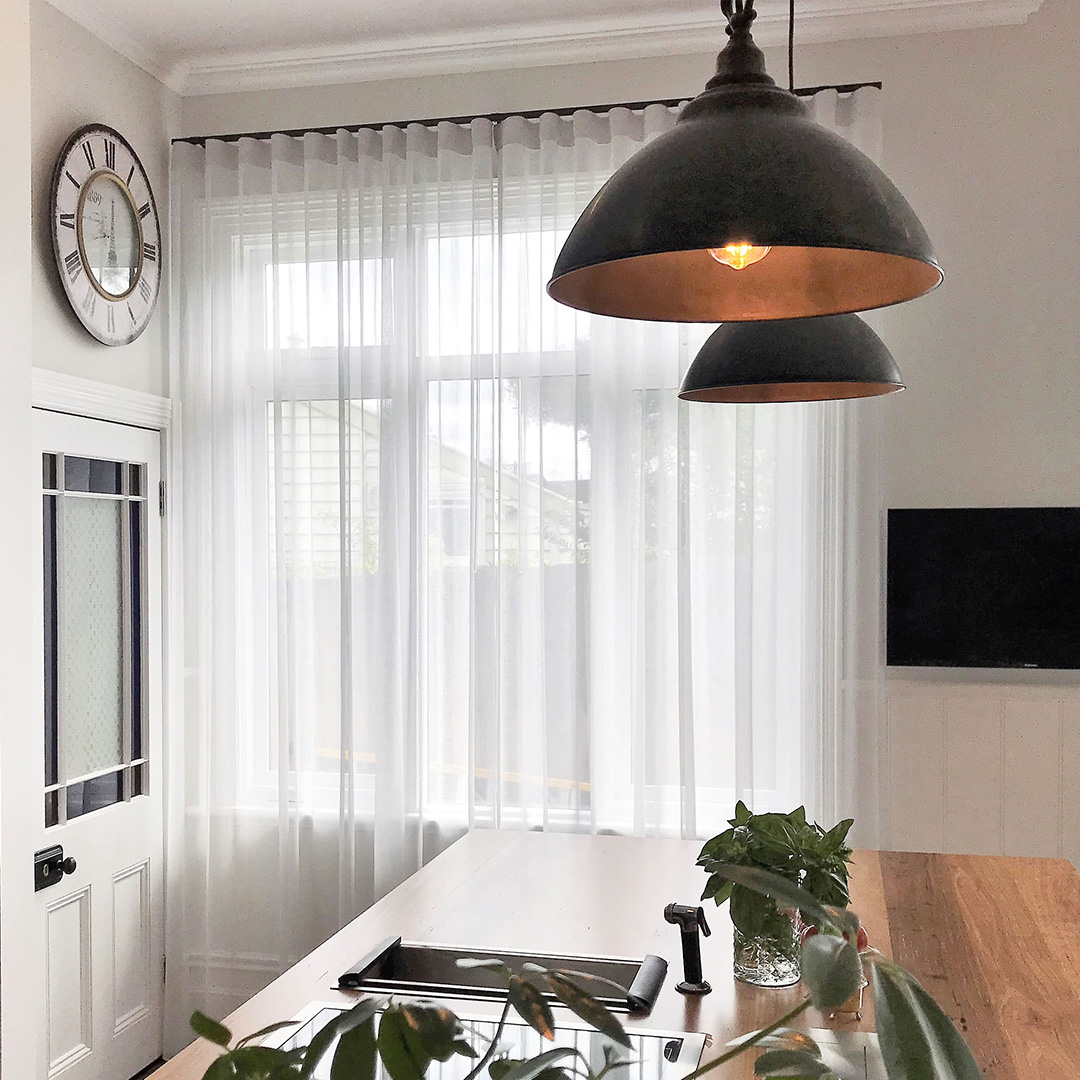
x=71, y=394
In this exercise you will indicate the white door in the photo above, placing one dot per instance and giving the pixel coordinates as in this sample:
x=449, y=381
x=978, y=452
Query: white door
x=95, y=766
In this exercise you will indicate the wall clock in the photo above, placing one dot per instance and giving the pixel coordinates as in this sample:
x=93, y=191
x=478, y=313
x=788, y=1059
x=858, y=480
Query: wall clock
x=106, y=234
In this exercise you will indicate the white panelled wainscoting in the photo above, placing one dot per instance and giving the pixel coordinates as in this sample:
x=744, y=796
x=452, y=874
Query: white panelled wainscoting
x=983, y=767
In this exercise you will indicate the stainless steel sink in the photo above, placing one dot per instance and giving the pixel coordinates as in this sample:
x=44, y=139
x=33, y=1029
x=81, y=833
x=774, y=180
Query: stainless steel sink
x=432, y=970
x=653, y=1054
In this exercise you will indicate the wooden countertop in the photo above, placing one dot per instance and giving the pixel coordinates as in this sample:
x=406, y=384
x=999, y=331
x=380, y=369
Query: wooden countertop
x=995, y=940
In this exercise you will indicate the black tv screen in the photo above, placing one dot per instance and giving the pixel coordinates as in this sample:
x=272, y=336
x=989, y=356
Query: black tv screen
x=984, y=588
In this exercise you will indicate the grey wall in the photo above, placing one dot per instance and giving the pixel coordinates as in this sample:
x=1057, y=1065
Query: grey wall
x=75, y=79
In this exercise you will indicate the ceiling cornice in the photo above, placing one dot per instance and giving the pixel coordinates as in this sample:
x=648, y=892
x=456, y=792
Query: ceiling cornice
x=141, y=53
x=540, y=46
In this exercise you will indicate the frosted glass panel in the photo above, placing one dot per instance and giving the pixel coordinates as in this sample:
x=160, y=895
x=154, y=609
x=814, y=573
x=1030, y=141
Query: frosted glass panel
x=92, y=657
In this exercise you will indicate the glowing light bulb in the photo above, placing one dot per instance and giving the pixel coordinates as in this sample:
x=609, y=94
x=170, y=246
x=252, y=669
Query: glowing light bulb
x=739, y=255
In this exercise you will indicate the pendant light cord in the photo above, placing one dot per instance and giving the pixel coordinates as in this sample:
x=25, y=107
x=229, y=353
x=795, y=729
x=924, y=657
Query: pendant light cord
x=791, y=46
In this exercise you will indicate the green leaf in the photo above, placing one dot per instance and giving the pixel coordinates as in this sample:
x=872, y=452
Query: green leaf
x=210, y=1030
x=356, y=1056
x=587, y=1007
x=570, y=973
x=718, y=889
x=535, y=1067
x=750, y=910
x=917, y=1039
x=779, y=888
x=221, y=1069
x=263, y=1032
x=437, y=1027
x=530, y=1005
x=834, y=839
x=400, y=1048
x=717, y=846
x=831, y=970
x=782, y=1039
x=464, y=1049
x=258, y=1061
x=790, y=1063
x=498, y=1069
x=742, y=813
x=359, y=1014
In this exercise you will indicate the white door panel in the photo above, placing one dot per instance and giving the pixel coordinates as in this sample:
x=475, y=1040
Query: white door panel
x=94, y=769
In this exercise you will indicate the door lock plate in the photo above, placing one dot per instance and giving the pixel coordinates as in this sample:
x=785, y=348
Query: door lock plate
x=48, y=867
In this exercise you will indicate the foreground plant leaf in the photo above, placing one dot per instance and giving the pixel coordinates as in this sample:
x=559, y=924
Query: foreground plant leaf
x=359, y=1014
x=781, y=1039
x=778, y=888
x=541, y=1064
x=436, y=1026
x=790, y=1063
x=587, y=976
x=530, y=1005
x=210, y=1030
x=356, y=1056
x=263, y=1032
x=490, y=963
x=831, y=970
x=403, y=1054
x=587, y=1007
x=918, y=1041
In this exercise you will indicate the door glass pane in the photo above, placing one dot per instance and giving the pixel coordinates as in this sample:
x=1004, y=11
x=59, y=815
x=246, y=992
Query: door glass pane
x=90, y=474
x=94, y=794
x=92, y=632
x=94, y=522
x=51, y=673
x=137, y=512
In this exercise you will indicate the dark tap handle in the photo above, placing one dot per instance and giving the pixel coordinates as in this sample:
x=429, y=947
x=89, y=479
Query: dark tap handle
x=690, y=921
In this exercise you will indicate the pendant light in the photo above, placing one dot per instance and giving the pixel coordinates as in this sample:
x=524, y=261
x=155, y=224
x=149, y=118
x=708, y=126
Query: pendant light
x=826, y=358
x=746, y=210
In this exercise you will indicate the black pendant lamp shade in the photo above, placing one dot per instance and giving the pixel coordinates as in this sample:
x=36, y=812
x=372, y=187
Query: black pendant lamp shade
x=745, y=178
x=817, y=359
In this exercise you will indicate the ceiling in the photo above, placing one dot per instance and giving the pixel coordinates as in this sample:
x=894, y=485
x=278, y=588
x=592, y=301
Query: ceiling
x=211, y=46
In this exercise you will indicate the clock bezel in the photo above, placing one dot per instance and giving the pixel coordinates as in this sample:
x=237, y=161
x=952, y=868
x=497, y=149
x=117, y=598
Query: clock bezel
x=114, y=303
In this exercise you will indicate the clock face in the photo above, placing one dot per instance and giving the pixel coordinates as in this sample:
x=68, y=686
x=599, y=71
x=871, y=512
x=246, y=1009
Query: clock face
x=106, y=234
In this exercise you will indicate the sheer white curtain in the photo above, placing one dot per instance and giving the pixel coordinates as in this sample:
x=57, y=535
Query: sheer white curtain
x=456, y=556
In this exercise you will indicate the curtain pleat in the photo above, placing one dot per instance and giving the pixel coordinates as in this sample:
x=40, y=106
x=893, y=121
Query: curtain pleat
x=458, y=557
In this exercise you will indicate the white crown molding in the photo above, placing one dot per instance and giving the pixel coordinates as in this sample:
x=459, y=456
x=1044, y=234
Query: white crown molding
x=141, y=53
x=539, y=45
x=57, y=392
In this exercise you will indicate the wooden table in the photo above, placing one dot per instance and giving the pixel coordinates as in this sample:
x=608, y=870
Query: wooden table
x=995, y=940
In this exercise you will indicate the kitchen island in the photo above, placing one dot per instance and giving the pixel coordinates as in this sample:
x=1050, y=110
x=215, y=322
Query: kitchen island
x=995, y=940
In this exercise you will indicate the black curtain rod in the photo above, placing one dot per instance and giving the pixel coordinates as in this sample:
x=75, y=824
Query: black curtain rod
x=495, y=118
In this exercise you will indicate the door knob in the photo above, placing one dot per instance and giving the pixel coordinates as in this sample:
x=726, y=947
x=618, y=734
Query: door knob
x=69, y=865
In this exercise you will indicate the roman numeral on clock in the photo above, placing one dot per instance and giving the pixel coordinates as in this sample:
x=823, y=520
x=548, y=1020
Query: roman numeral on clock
x=110, y=319
x=72, y=179
x=144, y=210
x=73, y=262
x=131, y=313
x=88, y=150
x=144, y=289
x=110, y=155
x=90, y=301
x=67, y=221
x=149, y=252
x=131, y=173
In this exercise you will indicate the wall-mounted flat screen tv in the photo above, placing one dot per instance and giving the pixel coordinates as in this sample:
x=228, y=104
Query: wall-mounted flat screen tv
x=984, y=588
